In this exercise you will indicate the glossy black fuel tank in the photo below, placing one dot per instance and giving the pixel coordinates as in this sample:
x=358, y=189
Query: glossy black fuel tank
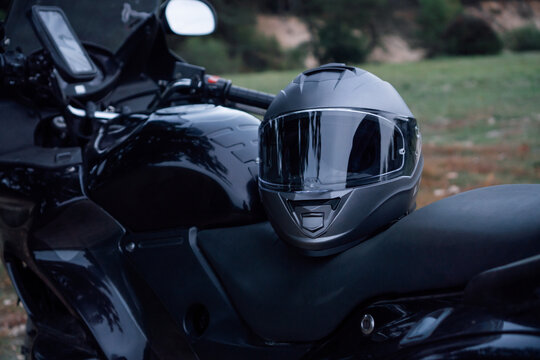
x=192, y=165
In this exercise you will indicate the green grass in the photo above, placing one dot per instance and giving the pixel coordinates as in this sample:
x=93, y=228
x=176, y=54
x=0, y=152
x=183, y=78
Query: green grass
x=479, y=116
x=453, y=98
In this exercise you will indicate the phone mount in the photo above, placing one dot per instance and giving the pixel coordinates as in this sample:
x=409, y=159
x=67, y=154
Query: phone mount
x=58, y=37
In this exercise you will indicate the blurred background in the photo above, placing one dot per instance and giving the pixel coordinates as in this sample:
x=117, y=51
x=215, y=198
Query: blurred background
x=284, y=34
x=468, y=69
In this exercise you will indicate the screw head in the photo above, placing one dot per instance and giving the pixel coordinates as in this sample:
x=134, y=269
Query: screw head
x=367, y=324
x=130, y=246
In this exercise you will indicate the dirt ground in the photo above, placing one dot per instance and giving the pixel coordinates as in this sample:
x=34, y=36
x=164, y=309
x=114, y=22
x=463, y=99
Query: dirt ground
x=12, y=320
x=451, y=169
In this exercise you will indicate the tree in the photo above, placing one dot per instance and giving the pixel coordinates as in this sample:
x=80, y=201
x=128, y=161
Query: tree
x=434, y=16
x=343, y=30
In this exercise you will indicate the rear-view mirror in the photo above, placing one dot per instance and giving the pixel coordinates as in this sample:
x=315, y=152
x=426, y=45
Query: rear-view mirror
x=190, y=17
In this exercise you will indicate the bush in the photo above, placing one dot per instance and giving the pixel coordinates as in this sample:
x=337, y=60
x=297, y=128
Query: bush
x=210, y=53
x=338, y=43
x=434, y=16
x=256, y=52
x=296, y=57
x=259, y=52
x=469, y=35
x=249, y=50
x=523, y=39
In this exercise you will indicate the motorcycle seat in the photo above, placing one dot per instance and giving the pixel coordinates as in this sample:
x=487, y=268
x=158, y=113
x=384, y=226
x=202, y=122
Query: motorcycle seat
x=285, y=296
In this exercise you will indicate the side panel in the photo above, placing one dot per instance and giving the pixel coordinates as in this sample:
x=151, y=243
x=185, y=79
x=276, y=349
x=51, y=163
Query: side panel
x=62, y=249
x=174, y=267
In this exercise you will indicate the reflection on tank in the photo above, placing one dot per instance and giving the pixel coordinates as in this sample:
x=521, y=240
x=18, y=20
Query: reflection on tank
x=192, y=165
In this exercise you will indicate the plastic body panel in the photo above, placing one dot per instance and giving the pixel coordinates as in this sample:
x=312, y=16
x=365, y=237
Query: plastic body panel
x=49, y=228
x=192, y=165
x=433, y=327
x=133, y=310
x=441, y=246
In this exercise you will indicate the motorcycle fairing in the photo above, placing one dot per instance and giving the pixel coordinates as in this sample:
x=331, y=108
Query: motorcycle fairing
x=91, y=278
x=139, y=283
x=285, y=296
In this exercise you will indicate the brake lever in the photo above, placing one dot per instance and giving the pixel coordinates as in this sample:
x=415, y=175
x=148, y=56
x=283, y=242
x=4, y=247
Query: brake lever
x=184, y=85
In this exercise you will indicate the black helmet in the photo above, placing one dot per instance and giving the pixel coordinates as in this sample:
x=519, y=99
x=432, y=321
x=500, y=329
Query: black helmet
x=340, y=159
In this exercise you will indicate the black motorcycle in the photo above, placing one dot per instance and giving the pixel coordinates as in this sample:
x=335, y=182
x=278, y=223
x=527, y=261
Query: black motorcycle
x=132, y=228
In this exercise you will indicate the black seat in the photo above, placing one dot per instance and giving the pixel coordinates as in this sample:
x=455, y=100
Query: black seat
x=285, y=296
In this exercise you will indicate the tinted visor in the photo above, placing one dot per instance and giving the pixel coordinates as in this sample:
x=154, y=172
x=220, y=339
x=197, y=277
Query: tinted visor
x=331, y=149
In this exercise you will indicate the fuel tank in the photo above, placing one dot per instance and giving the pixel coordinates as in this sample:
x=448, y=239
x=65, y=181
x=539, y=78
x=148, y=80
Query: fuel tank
x=184, y=166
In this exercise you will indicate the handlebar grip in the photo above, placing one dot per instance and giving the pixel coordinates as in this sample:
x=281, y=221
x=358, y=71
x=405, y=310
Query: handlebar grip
x=249, y=97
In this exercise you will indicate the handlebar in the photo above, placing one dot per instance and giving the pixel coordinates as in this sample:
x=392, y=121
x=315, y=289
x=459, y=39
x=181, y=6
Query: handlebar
x=14, y=66
x=249, y=97
x=222, y=88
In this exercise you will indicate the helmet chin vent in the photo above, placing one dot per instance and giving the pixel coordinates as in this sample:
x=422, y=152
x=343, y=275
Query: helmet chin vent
x=312, y=221
x=313, y=216
x=334, y=203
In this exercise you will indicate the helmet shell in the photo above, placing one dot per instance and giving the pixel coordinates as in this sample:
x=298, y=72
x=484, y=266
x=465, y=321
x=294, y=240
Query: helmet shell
x=331, y=220
x=338, y=86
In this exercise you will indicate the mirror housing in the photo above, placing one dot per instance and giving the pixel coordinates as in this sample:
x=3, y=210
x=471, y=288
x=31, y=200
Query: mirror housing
x=190, y=17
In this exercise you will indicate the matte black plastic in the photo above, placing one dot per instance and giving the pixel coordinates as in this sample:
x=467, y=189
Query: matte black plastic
x=21, y=123
x=107, y=74
x=439, y=247
x=43, y=157
x=356, y=88
x=361, y=213
x=365, y=208
x=509, y=288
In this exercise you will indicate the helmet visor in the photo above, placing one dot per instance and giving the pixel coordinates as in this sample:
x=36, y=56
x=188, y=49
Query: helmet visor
x=328, y=149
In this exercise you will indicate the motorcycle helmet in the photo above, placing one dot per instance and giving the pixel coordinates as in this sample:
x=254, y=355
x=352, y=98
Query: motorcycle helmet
x=339, y=159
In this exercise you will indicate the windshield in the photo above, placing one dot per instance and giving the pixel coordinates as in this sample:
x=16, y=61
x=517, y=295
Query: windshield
x=106, y=23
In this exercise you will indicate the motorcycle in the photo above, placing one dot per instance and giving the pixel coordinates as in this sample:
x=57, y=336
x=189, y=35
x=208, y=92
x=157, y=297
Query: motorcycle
x=131, y=225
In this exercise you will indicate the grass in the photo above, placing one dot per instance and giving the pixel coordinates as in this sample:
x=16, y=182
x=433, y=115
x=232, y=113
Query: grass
x=479, y=117
x=480, y=120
